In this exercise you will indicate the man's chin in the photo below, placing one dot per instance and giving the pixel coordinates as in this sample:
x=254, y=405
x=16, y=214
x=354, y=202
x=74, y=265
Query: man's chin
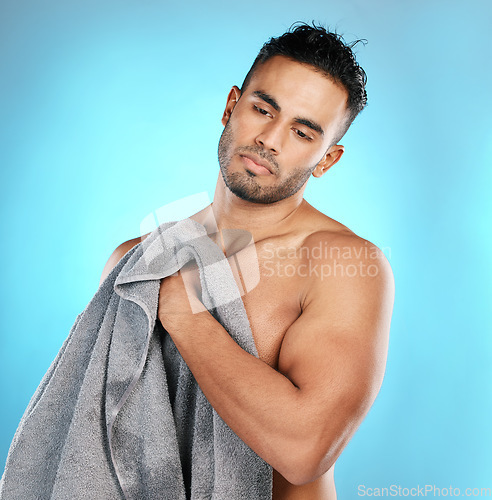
x=256, y=197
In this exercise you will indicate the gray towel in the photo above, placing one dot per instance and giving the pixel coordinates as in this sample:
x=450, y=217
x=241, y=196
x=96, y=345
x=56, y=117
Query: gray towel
x=119, y=414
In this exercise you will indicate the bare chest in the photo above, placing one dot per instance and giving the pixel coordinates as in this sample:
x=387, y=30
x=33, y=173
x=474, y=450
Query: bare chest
x=272, y=296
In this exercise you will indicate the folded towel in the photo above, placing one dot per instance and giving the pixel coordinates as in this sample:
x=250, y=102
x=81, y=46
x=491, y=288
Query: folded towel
x=119, y=414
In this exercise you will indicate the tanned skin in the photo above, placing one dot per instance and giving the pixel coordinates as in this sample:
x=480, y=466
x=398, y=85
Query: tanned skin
x=322, y=338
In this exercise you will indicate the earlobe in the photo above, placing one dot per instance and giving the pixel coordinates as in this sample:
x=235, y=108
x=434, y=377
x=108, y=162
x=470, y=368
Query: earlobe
x=331, y=157
x=232, y=99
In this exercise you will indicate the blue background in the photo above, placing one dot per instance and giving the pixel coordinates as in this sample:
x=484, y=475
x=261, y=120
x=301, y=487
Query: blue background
x=110, y=110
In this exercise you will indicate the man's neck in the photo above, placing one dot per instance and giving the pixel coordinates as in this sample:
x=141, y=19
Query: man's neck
x=260, y=219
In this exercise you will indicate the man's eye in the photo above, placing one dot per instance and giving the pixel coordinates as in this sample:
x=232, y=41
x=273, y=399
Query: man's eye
x=302, y=135
x=260, y=110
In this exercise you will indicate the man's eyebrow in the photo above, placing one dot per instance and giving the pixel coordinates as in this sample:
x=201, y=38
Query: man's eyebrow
x=273, y=103
x=267, y=98
x=312, y=125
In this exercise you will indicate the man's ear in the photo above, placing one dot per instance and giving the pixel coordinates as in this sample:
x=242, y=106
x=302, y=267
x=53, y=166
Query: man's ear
x=232, y=99
x=328, y=160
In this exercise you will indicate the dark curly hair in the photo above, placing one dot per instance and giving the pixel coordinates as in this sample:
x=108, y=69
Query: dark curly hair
x=325, y=51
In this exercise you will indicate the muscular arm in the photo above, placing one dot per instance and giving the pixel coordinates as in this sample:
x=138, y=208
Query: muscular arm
x=331, y=365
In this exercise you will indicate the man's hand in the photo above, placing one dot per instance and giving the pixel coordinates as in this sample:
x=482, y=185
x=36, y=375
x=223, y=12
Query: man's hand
x=179, y=298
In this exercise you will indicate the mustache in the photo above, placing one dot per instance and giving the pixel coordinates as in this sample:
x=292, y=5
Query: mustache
x=264, y=155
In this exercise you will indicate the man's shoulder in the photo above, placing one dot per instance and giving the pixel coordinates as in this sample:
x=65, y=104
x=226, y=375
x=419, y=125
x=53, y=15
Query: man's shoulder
x=337, y=241
x=341, y=253
x=340, y=242
x=118, y=253
x=346, y=269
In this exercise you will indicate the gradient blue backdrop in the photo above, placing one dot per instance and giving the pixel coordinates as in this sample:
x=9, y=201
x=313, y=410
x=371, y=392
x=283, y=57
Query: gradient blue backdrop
x=110, y=110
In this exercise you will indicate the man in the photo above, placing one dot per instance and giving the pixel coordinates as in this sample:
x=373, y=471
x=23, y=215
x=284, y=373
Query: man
x=320, y=314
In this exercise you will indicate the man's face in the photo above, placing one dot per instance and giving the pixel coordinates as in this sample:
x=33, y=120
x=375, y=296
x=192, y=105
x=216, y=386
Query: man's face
x=280, y=130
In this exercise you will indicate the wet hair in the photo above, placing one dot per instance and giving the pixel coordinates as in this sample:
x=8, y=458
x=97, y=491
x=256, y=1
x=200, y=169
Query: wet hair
x=328, y=53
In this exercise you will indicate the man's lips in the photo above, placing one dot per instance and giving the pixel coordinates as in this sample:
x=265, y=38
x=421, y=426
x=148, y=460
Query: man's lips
x=256, y=164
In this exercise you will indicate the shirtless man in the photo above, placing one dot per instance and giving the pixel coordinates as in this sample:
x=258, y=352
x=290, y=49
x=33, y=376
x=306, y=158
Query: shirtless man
x=320, y=314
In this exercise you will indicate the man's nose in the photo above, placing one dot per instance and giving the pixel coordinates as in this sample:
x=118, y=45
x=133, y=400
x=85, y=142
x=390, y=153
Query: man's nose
x=270, y=138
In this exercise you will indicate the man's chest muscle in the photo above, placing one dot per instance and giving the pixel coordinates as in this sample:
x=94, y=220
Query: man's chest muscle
x=272, y=306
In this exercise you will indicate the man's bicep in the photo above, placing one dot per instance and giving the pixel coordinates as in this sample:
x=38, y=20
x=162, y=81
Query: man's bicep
x=336, y=350
x=335, y=353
